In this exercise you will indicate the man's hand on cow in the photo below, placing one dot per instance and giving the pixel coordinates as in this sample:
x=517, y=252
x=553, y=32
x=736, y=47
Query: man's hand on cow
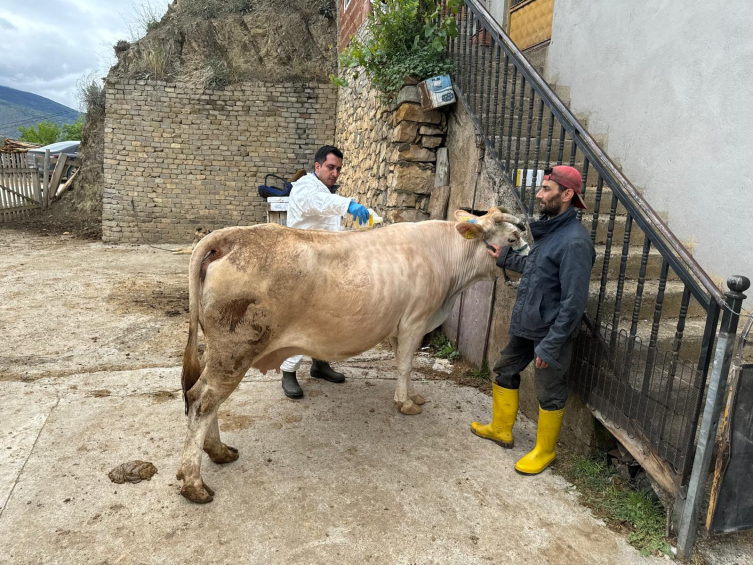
x=541, y=364
x=359, y=212
x=496, y=249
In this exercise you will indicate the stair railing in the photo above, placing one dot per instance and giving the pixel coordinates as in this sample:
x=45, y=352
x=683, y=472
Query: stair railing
x=653, y=397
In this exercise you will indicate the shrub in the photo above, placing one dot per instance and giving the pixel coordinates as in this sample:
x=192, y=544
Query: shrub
x=403, y=39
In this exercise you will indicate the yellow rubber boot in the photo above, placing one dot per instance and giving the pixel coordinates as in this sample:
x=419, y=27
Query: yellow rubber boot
x=547, y=434
x=504, y=413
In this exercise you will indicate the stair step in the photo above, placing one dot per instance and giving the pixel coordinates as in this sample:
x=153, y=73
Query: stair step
x=633, y=266
x=670, y=308
x=618, y=232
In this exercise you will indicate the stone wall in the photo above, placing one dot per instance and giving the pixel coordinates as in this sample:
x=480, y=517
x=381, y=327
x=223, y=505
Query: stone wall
x=389, y=150
x=177, y=157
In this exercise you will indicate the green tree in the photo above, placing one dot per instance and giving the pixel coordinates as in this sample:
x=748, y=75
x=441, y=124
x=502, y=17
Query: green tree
x=45, y=132
x=72, y=132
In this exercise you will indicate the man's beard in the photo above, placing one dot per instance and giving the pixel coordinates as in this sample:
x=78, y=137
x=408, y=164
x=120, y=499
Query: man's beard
x=552, y=208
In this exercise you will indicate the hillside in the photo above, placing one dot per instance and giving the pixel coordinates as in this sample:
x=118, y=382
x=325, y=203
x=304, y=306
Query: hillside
x=213, y=43
x=19, y=108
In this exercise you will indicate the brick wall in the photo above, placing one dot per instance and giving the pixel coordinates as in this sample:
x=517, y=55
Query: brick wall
x=350, y=19
x=177, y=157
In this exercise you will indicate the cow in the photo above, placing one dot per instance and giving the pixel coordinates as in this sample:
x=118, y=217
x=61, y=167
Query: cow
x=267, y=292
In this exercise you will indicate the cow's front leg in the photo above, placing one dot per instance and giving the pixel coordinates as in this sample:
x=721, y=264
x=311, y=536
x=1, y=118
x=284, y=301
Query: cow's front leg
x=407, y=343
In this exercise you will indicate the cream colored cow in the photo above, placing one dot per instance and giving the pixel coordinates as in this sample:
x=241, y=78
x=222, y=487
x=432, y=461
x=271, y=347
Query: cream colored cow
x=265, y=293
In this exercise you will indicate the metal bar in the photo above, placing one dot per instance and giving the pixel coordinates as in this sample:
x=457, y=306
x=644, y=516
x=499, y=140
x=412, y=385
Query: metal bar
x=501, y=117
x=704, y=360
x=495, y=127
x=483, y=78
x=623, y=268
x=605, y=265
x=583, y=177
x=549, y=136
x=474, y=64
x=489, y=89
x=519, y=132
x=464, y=73
x=597, y=205
x=512, y=118
x=528, y=147
x=536, y=153
x=682, y=263
x=560, y=152
x=717, y=386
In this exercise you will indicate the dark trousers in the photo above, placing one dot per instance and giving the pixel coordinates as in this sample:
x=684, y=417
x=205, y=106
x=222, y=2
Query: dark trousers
x=551, y=385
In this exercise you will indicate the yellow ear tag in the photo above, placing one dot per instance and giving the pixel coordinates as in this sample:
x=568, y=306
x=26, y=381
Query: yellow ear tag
x=469, y=234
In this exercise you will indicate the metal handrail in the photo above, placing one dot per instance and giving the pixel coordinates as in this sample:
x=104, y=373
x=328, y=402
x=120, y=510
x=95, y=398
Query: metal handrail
x=691, y=273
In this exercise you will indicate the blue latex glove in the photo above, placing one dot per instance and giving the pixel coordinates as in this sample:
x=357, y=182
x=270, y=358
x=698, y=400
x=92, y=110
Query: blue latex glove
x=360, y=213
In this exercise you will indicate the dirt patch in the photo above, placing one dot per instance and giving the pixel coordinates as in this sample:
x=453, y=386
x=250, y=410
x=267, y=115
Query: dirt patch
x=162, y=396
x=100, y=393
x=234, y=422
x=61, y=219
x=152, y=296
x=463, y=373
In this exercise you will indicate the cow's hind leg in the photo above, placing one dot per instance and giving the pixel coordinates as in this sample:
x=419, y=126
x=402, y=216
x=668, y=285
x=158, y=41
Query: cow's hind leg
x=204, y=398
x=406, y=397
x=218, y=452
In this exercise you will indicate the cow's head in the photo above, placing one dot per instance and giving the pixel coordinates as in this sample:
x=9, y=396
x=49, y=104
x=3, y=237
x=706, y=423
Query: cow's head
x=496, y=226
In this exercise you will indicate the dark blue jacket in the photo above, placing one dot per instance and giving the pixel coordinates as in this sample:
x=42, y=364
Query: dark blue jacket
x=553, y=291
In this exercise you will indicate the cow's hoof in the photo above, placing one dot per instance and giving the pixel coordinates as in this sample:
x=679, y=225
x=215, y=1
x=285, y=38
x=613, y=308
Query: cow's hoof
x=199, y=495
x=409, y=408
x=226, y=455
x=418, y=399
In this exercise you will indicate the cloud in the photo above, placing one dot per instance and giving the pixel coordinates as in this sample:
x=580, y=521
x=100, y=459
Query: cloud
x=50, y=45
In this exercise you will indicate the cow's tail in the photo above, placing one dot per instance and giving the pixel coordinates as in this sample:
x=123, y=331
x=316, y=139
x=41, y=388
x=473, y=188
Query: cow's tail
x=191, y=365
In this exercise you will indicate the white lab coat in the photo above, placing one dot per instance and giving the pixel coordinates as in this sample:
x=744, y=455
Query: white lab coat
x=313, y=207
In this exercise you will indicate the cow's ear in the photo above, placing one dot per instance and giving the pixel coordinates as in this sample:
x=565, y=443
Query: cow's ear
x=463, y=216
x=469, y=230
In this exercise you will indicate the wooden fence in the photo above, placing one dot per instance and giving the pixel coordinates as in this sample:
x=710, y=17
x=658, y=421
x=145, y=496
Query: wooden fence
x=26, y=187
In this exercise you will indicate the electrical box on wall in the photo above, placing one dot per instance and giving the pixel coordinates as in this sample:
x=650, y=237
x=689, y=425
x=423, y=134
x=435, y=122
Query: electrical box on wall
x=435, y=92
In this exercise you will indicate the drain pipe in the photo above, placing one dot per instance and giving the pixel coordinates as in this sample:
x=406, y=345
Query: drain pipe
x=717, y=388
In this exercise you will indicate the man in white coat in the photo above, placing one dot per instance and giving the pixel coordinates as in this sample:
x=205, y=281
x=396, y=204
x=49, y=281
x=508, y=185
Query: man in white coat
x=314, y=205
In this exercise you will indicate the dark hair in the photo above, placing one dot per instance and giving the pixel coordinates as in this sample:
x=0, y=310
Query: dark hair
x=321, y=154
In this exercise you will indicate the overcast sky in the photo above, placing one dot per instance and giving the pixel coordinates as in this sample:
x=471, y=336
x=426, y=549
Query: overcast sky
x=46, y=46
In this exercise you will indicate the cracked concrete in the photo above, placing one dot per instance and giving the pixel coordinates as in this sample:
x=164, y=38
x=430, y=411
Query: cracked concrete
x=339, y=477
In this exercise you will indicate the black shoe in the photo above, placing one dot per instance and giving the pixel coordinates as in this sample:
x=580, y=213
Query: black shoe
x=290, y=385
x=322, y=370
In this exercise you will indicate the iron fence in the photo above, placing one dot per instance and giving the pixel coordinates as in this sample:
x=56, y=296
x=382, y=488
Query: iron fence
x=642, y=359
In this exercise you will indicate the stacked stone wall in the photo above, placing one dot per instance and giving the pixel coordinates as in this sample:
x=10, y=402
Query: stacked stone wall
x=177, y=157
x=389, y=150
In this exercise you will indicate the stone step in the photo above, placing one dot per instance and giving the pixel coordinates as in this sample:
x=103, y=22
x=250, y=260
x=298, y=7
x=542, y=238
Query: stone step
x=671, y=305
x=618, y=232
x=633, y=265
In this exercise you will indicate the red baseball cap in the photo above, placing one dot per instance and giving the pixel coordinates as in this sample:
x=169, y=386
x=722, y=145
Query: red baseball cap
x=567, y=177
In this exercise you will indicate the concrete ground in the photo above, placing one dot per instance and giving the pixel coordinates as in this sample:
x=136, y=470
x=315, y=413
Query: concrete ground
x=90, y=378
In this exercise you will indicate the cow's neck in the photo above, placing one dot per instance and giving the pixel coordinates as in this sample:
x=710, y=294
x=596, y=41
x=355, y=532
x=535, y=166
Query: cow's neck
x=467, y=261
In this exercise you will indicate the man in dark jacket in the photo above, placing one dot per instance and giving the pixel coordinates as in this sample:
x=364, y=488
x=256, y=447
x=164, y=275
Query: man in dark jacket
x=551, y=299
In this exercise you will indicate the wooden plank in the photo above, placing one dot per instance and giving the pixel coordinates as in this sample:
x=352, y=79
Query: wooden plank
x=646, y=457
x=438, y=200
x=18, y=198
x=37, y=184
x=442, y=175
x=3, y=198
x=68, y=183
x=46, y=179
x=57, y=175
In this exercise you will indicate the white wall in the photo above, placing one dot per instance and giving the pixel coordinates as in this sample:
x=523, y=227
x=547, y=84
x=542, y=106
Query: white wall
x=671, y=84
